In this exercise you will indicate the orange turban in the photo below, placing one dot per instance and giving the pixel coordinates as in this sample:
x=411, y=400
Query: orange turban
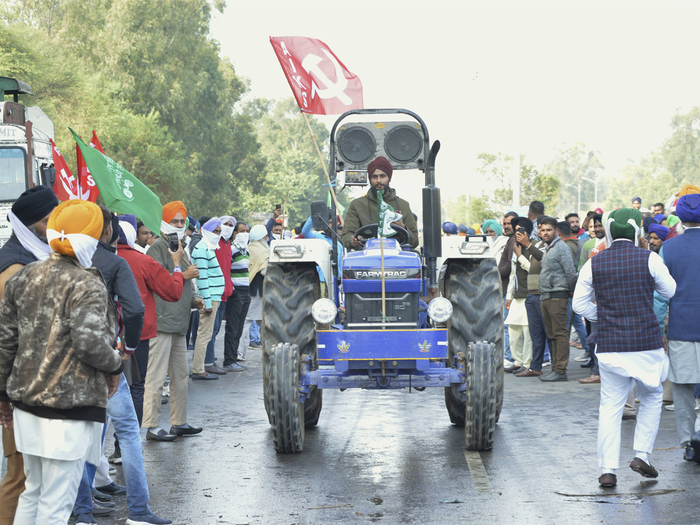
x=173, y=208
x=688, y=189
x=76, y=216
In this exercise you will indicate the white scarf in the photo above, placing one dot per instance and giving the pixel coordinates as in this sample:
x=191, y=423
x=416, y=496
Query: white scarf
x=241, y=241
x=168, y=228
x=130, y=235
x=83, y=245
x=212, y=239
x=28, y=240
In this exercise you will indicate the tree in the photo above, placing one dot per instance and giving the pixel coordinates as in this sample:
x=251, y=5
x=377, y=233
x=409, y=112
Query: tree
x=570, y=165
x=536, y=186
x=496, y=169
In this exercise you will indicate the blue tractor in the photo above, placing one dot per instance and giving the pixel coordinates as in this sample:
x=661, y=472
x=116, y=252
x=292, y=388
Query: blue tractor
x=385, y=316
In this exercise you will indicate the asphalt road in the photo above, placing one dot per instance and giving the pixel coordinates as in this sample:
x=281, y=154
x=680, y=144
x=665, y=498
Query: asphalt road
x=393, y=457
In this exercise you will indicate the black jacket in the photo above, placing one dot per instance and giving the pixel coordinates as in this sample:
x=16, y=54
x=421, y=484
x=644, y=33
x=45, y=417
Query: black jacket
x=122, y=288
x=14, y=253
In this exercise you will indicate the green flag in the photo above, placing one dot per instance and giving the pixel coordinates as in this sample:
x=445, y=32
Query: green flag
x=341, y=208
x=387, y=215
x=122, y=192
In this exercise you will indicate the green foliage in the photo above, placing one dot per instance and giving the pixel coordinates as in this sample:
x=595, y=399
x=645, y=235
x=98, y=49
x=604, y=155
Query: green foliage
x=536, y=186
x=496, y=168
x=481, y=209
x=456, y=210
x=146, y=75
x=570, y=165
x=294, y=173
x=663, y=172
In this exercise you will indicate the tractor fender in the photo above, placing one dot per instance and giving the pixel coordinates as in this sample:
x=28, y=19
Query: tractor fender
x=293, y=251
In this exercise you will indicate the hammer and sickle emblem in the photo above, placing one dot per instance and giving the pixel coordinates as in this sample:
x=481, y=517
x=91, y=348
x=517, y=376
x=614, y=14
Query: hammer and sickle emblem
x=332, y=89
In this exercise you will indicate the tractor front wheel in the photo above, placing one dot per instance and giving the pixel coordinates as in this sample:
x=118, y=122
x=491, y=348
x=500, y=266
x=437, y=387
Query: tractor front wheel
x=482, y=396
x=286, y=413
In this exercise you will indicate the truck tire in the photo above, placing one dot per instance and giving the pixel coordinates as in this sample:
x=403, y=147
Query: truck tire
x=474, y=289
x=290, y=292
x=480, y=416
x=282, y=395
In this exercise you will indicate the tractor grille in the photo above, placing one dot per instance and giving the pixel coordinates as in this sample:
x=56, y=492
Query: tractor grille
x=365, y=309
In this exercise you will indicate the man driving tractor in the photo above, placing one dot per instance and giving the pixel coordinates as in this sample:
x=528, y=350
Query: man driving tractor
x=363, y=211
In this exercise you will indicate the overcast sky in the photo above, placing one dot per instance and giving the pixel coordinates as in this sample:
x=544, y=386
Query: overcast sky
x=494, y=76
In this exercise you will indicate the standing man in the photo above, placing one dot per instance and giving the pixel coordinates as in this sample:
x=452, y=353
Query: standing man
x=621, y=280
x=28, y=217
x=681, y=254
x=504, y=268
x=58, y=365
x=636, y=203
x=534, y=212
x=168, y=351
x=557, y=281
x=235, y=345
x=596, y=242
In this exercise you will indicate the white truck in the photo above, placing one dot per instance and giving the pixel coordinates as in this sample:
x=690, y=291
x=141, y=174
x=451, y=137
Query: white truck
x=26, y=158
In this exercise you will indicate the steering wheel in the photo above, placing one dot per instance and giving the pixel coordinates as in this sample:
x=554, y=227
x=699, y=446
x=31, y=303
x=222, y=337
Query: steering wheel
x=370, y=231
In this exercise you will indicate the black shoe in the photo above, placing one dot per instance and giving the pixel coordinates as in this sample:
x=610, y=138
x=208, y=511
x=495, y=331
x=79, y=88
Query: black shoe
x=99, y=510
x=116, y=457
x=645, y=469
x=554, y=376
x=161, y=435
x=587, y=365
x=185, y=430
x=607, y=480
x=86, y=519
x=509, y=369
x=112, y=489
x=101, y=496
x=695, y=445
x=104, y=504
x=688, y=455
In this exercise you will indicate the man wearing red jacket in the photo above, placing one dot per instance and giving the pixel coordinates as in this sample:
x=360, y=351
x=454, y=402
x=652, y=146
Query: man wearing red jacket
x=151, y=278
x=223, y=256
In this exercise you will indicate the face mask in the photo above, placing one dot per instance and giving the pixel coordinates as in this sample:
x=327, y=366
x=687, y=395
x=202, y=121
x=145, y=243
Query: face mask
x=242, y=239
x=169, y=228
x=276, y=236
x=226, y=232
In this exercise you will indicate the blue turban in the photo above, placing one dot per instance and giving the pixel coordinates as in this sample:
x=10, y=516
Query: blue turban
x=471, y=231
x=212, y=224
x=688, y=208
x=637, y=199
x=660, y=217
x=494, y=225
x=449, y=227
x=131, y=219
x=648, y=221
x=660, y=231
x=462, y=228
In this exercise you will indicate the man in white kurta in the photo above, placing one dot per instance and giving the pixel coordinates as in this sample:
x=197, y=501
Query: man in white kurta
x=622, y=279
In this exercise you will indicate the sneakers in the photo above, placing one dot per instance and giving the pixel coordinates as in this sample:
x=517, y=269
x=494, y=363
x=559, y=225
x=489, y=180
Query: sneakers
x=241, y=357
x=546, y=363
x=554, y=376
x=670, y=408
x=583, y=357
x=166, y=390
x=147, y=519
x=235, y=367
x=255, y=345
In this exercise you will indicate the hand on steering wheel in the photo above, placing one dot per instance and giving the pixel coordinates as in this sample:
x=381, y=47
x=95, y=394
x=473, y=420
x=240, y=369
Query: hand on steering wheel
x=370, y=231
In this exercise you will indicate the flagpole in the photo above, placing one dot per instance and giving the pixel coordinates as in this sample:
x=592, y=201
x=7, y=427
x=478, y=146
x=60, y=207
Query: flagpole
x=284, y=214
x=381, y=243
x=323, y=164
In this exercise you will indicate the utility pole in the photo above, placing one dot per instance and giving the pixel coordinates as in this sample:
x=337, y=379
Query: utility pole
x=595, y=183
x=578, y=209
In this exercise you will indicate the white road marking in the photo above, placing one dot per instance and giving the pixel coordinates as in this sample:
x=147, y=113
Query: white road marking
x=478, y=472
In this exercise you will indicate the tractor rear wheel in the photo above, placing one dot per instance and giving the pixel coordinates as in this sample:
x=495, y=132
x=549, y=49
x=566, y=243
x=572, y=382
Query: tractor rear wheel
x=290, y=292
x=473, y=287
x=480, y=420
x=286, y=413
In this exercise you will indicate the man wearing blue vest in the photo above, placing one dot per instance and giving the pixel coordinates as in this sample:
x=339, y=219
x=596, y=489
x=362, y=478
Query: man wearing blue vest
x=622, y=280
x=681, y=254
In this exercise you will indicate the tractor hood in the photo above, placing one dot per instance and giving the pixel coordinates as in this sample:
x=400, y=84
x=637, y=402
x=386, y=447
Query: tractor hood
x=362, y=270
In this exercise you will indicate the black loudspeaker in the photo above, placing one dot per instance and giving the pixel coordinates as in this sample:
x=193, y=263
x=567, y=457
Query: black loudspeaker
x=359, y=143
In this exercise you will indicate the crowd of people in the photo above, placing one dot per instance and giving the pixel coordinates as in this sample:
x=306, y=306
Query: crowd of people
x=620, y=286
x=98, y=330
x=97, y=314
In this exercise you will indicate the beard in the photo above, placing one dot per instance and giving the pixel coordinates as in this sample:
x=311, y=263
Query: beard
x=39, y=236
x=374, y=190
x=575, y=229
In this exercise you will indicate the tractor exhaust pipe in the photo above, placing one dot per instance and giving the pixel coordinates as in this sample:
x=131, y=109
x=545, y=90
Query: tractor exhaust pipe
x=432, y=219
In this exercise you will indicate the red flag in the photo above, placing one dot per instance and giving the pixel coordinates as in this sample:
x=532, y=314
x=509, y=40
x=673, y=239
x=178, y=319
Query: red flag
x=320, y=82
x=64, y=185
x=88, y=188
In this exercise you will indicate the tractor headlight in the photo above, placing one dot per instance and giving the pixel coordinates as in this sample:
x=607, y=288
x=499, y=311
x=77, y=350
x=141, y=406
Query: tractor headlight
x=440, y=309
x=324, y=311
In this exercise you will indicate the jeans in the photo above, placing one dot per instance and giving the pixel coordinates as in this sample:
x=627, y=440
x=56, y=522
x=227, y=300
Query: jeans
x=506, y=337
x=121, y=409
x=209, y=357
x=141, y=356
x=578, y=325
x=255, y=333
x=236, y=311
x=191, y=337
x=538, y=333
